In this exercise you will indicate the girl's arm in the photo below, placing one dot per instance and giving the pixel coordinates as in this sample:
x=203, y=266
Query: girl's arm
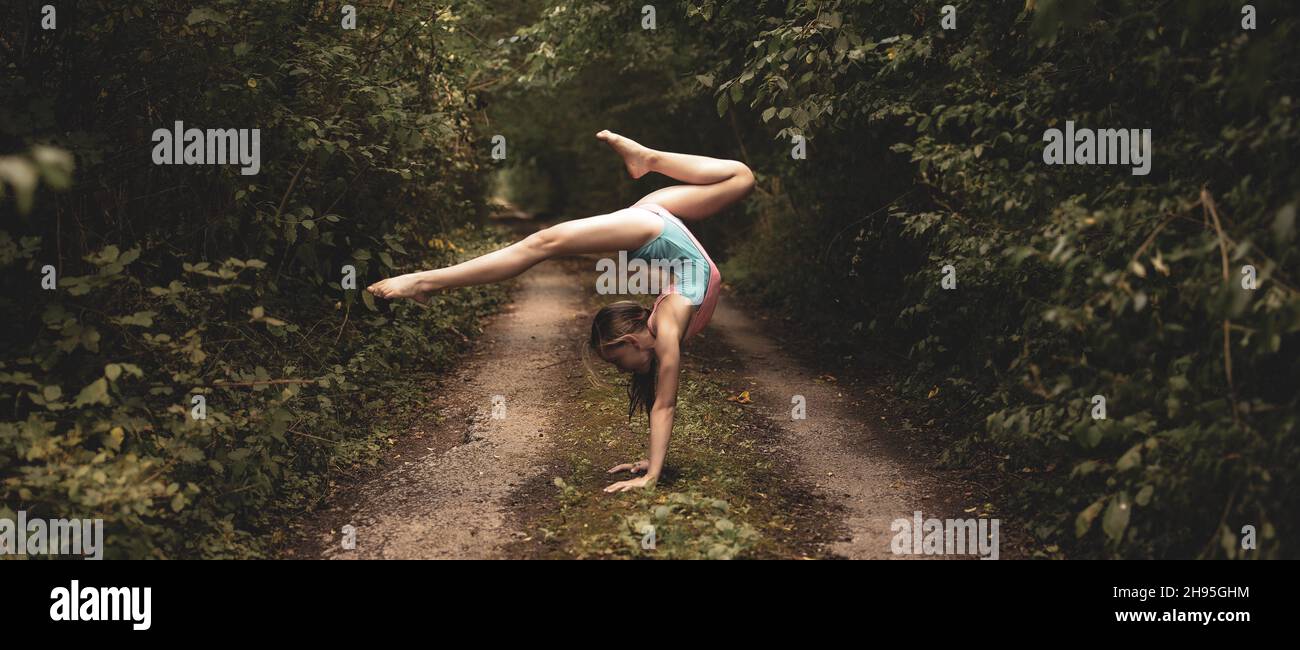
x=662, y=414
x=673, y=315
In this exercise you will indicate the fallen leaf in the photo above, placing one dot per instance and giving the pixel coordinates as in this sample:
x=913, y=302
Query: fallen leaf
x=742, y=398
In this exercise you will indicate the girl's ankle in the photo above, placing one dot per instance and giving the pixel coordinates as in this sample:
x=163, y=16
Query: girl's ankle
x=425, y=282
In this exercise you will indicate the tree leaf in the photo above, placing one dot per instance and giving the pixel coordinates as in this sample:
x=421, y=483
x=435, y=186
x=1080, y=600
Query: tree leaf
x=94, y=393
x=1083, y=522
x=1131, y=458
x=203, y=14
x=1117, y=516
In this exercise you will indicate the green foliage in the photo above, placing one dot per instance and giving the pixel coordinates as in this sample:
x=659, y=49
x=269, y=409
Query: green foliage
x=688, y=526
x=1076, y=281
x=715, y=505
x=180, y=281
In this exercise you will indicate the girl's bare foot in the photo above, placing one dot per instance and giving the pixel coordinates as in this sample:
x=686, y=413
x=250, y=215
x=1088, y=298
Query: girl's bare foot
x=636, y=157
x=403, y=286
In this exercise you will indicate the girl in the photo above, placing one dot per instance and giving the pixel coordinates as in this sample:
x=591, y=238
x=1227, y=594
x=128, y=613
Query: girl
x=640, y=341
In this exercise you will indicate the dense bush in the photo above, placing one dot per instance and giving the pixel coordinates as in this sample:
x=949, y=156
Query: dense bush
x=184, y=280
x=1078, y=281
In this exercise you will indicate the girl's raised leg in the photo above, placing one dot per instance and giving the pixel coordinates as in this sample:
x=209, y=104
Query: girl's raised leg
x=714, y=183
x=626, y=229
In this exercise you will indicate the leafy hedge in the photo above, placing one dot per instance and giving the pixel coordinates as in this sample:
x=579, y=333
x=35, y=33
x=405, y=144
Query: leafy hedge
x=1079, y=281
x=177, y=281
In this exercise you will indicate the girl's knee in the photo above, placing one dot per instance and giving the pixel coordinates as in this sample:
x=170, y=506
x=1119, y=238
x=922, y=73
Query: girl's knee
x=744, y=177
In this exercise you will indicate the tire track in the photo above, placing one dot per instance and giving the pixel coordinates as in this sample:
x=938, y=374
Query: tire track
x=455, y=504
x=835, y=447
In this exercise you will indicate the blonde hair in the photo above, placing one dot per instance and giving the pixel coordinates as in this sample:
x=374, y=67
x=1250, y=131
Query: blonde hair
x=611, y=323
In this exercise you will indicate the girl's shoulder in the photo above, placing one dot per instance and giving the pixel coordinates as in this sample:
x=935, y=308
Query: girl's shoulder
x=672, y=308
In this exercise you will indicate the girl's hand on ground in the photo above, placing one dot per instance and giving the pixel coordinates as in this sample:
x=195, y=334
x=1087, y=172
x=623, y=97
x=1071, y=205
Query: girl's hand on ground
x=624, y=486
x=637, y=467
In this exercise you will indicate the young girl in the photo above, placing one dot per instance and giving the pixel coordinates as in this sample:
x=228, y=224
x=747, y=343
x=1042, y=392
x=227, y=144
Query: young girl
x=643, y=342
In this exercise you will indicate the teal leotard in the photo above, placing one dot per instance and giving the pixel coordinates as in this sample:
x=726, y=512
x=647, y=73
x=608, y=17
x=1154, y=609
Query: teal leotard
x=675, y=244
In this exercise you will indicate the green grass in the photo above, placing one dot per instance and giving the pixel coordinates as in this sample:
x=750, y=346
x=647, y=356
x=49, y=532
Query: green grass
x=715, y=500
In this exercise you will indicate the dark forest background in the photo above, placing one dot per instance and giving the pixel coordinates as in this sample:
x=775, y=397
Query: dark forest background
x=924, y=150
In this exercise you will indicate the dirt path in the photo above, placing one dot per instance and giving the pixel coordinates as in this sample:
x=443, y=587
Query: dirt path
x=835, y=445
x=454, y=503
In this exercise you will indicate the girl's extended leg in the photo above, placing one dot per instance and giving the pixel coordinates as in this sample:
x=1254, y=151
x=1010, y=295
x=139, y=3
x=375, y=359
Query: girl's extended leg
x=625, y=229
x=714, y=183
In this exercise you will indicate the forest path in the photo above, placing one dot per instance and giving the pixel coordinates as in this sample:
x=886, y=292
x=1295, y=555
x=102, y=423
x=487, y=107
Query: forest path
x=455, y=503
